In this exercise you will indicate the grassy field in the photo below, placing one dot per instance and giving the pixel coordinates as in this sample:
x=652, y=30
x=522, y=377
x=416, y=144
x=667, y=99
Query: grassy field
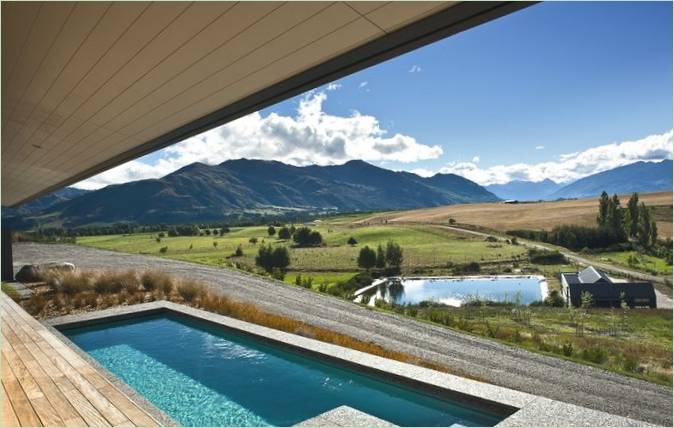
x=642, y=262
x=640, y=347
x=425, y=246
x=537, y=216
x=637, y=343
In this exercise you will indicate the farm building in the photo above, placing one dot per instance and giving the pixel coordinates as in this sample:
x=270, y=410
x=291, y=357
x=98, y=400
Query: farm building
x=605, y=292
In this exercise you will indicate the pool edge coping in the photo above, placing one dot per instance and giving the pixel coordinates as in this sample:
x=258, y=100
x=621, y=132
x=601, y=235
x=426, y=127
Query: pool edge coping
x=517, y=408
x=155, y=412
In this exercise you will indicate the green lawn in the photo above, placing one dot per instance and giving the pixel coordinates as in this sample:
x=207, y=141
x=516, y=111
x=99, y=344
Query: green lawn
x=644, y=262
x=423, y=246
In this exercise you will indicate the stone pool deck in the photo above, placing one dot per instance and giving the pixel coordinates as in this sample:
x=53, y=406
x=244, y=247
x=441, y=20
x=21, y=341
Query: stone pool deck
x=518, y=408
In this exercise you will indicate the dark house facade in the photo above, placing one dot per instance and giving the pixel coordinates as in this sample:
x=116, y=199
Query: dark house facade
x=605, y=292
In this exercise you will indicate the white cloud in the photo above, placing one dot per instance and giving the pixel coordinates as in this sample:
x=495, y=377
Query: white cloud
x=362, y=84
x=333, y=86
x=422, y=172
x=476, y=159
x=312, y=136
x=540, y=147
x=570, y=166
x=415, y=69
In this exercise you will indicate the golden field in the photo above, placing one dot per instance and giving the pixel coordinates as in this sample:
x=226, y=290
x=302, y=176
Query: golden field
x=537, y=215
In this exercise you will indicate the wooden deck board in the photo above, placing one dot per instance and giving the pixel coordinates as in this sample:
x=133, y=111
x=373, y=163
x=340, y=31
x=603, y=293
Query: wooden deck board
x=9, y=418
x=46, y=383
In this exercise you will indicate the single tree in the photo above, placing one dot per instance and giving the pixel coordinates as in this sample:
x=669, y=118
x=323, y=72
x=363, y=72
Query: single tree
x=284, y=233
x=264, y=257
x=604, y=202
x=215, y=244
x=632, y=216
x=239, y=251
x=352, y=241
x=394, y=254
x=367, y=258
x=281, y=258
x=644, y=232
x=381, y=258
x=271, y=230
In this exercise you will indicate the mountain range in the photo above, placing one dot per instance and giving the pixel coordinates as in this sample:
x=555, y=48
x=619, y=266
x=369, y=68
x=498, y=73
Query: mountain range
x=243, y=187
x=199, y=193
x=636, y=177
x=524, y=190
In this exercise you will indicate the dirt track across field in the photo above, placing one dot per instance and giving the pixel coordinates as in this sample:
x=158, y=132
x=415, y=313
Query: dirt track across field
x=491, y=361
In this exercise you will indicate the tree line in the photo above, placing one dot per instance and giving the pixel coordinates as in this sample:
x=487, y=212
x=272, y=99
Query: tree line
x=616, y=225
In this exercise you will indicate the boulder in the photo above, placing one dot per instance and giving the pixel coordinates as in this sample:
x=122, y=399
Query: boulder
x=29, y=273
x=61, y=266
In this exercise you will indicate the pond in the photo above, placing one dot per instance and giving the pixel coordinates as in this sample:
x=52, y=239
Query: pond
x=455, y=291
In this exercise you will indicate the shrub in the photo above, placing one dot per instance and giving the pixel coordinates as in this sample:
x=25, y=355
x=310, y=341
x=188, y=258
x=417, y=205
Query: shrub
x=253, y=240
x=271, y=231
x=305, y=237
x=491, y=239
x=467, y=268
x=352, y=241
x=163, y=250
x=545, y=257
x=278, y=273
x=238, y=252
x=595, y=354
x=630, y=362
x=110, y=282
x=155, y=280
x=35, y=304
x=10, y=292
x=567, y=349
x=188, y=290
x=71, y=283
x=554, y=299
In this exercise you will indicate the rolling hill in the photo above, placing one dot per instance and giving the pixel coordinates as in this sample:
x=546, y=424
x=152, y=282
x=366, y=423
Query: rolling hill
x=200, y=192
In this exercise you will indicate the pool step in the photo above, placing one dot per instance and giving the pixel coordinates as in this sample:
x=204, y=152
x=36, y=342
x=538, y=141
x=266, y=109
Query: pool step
x=344, y=416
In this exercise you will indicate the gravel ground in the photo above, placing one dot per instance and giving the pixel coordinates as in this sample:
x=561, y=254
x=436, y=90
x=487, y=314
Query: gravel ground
x=493, y=362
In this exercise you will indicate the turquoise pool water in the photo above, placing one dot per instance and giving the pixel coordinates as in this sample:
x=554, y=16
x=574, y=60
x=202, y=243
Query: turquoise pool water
x=202, y=375
x=455, y=291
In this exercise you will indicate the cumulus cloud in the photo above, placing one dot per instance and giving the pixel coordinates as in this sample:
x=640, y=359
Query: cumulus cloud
x=333, y=86
x=571, y=166
x=423, y=172
x=540, y=147
x=415, y=69
x=476, y=159
x=311, y=136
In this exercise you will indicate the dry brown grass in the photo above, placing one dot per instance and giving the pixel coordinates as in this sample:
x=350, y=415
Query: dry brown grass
x=109, y=288
x=537, y=216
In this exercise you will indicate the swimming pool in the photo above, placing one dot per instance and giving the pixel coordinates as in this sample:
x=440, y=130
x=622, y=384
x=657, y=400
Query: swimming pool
x=203, y=375
x=455, y=291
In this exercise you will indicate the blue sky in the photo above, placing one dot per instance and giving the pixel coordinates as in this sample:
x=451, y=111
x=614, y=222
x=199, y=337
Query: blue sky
x=557, y=90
